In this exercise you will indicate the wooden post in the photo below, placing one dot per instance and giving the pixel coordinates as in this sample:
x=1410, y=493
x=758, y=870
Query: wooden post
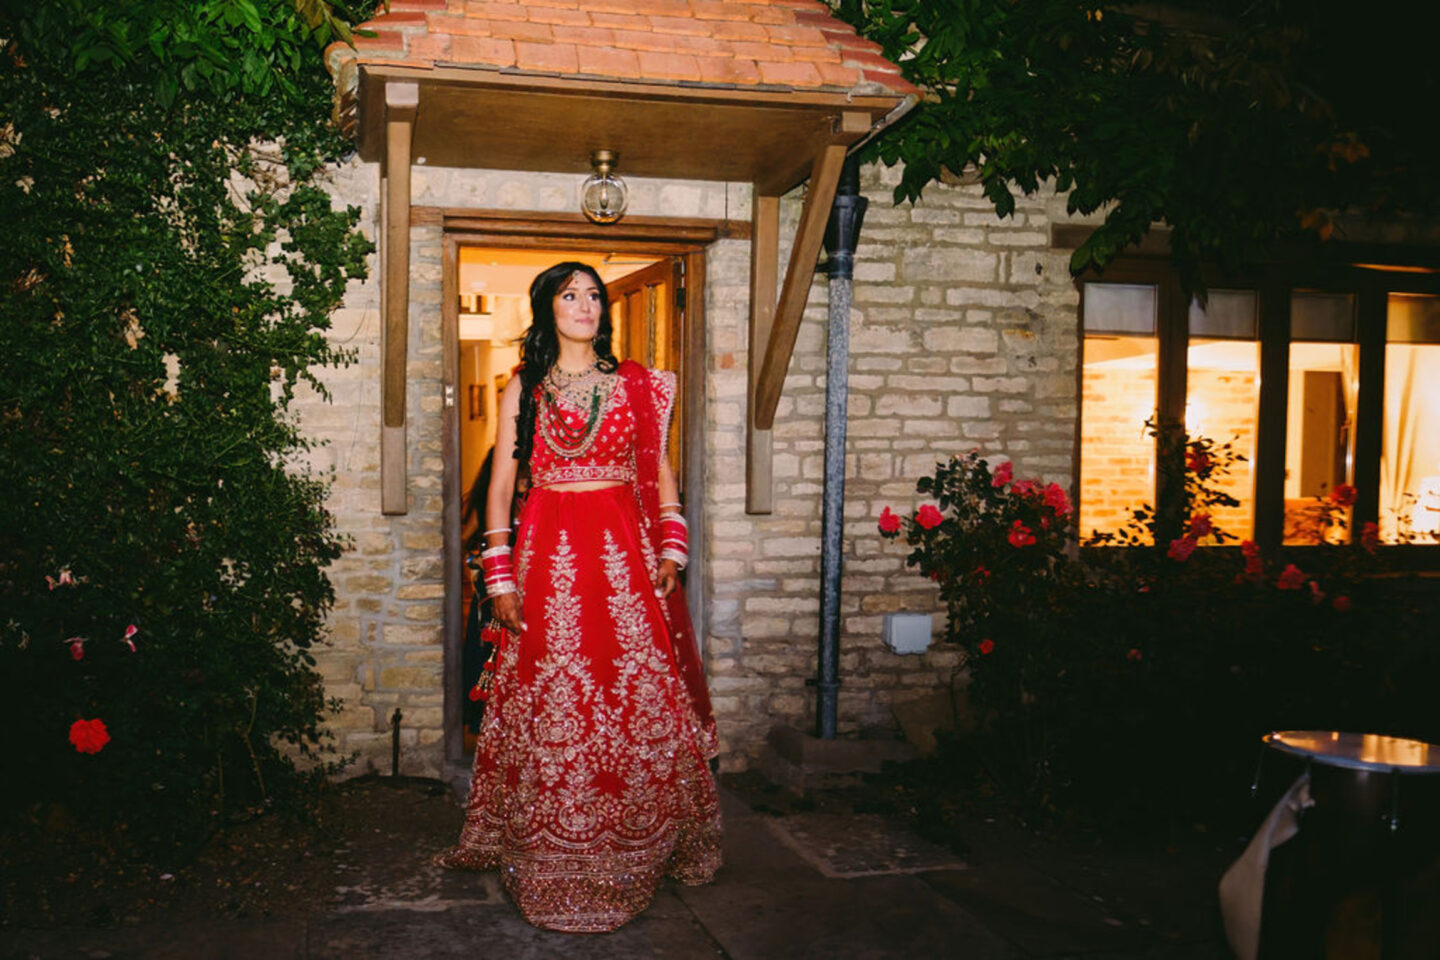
x=401, y=101
x=764, y=269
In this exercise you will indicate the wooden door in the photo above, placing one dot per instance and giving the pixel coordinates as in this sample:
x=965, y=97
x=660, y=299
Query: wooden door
x=647, y=310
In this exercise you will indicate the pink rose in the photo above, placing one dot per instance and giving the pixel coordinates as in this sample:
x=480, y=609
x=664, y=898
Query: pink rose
x=929, y=517
x=1181, y=548
x=1291, y=578
x=89, y=736
x=1003, y=473
x=889, y=522
x=1020, y=535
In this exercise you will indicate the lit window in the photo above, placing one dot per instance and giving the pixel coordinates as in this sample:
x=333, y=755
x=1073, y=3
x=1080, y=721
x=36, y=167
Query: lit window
x=1222, y=402
x=1320, y=415
x=1410, y=451
x=1120, y=372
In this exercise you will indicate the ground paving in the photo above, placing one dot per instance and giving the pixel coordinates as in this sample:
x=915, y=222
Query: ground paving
x=802, y=885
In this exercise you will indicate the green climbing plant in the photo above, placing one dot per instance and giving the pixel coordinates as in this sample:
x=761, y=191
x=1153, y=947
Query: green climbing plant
x=169, y=265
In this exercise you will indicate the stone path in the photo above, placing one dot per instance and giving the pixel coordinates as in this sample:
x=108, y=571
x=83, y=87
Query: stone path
x=800, y=886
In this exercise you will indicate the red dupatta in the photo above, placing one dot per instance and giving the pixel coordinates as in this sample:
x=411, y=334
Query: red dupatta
x=649, y=432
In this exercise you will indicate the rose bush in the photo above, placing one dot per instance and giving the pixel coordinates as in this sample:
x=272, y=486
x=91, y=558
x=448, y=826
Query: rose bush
x=1139, y=666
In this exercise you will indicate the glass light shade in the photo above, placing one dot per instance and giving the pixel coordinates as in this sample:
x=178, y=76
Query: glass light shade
x=603, y=197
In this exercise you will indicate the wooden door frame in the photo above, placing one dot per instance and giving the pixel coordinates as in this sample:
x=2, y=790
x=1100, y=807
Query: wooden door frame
x=686, y=239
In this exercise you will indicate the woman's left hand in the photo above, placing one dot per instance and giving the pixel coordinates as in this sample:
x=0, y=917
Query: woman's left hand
x=668, y=579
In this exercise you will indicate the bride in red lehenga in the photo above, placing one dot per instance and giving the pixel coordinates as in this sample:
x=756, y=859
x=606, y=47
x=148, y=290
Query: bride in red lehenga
x=591, y=776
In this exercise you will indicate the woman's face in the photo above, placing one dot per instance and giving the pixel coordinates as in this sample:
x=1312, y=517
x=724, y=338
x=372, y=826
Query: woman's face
x=577, y=308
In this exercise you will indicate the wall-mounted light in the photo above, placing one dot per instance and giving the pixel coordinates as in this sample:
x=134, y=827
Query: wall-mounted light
x=603, y=195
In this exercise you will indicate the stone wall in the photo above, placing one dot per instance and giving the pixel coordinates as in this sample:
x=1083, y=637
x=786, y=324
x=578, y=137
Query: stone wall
x=963, y=336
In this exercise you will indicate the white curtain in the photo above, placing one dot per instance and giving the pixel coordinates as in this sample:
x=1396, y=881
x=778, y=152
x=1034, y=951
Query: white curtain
x=1410, y=456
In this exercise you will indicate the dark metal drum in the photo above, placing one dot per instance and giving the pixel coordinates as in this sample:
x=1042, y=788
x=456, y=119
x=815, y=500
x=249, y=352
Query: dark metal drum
x=1372, y=834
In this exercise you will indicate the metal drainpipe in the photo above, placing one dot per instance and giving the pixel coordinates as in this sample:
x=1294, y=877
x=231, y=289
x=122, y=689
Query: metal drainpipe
x=841, y=235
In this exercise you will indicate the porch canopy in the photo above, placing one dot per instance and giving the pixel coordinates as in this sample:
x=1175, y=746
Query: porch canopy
x=762, y=91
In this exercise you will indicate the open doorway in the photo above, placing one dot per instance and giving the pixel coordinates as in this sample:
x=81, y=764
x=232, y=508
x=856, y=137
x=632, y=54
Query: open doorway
x=490, y=283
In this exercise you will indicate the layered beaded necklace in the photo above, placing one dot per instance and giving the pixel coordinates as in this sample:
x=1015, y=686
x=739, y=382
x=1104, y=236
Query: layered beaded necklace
x=587, y=390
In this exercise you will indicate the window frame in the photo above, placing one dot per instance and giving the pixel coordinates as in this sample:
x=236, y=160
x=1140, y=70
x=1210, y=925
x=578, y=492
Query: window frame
x=1370, y=278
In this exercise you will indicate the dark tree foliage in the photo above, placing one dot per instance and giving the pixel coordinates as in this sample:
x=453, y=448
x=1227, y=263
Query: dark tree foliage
x=168, y=267
x=1237, y=123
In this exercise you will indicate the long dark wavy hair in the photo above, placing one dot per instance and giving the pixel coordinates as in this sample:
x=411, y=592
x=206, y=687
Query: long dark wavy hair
x=540, y=347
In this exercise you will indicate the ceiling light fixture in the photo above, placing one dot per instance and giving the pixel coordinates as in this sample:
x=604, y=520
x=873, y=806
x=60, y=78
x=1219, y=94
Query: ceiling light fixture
x=603, y=196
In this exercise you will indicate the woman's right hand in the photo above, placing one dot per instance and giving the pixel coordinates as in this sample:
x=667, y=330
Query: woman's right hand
x=506, y=609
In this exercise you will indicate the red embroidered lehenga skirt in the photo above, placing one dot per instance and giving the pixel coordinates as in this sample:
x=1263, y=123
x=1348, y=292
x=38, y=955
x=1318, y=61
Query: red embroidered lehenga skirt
x=591, y=776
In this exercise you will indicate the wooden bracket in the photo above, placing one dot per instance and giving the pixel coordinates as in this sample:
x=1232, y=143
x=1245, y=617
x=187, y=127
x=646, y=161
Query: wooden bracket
x=824, y=177
x=401, y=102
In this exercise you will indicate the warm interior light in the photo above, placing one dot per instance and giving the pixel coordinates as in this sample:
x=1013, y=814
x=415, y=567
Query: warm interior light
x=603, y=195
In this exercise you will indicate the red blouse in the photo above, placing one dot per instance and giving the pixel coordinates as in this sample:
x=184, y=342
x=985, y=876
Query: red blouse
x=611, y=455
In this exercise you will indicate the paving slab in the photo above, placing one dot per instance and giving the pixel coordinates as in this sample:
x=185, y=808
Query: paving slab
x=466, y=932
x=872, y=918
x=218, y=940
x=1040, y=916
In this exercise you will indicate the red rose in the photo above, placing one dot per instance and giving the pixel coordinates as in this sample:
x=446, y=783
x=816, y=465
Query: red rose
x=1056, y=500
x=77, y=648
x=1254, y=567
x=1181, y=548
x=1025, y=488
x=986, y=645
x=1197, y=461
x=1200, y=525
x=889, y=522
x=981, y=575
x=1003, y=473
x=1249, y=549
x=1316, y=594
x=1020, y=535
x=89, y=736
x=928, y=517
x=1291, y=578
x=1134, y=654
x=1341, y=603
x=1343, y=495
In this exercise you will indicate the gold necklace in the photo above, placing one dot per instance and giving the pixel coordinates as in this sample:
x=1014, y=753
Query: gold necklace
x=567, y=439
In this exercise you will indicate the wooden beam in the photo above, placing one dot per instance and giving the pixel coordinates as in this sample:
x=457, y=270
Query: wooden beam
x=573, y=226
x=764, y=267
x=401, y=101
x=824, y=177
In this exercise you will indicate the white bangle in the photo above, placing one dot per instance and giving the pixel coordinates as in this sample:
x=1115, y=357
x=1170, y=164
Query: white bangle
x=496, y=530
x=502, y=549
x=500, y=588
x=680, y=558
